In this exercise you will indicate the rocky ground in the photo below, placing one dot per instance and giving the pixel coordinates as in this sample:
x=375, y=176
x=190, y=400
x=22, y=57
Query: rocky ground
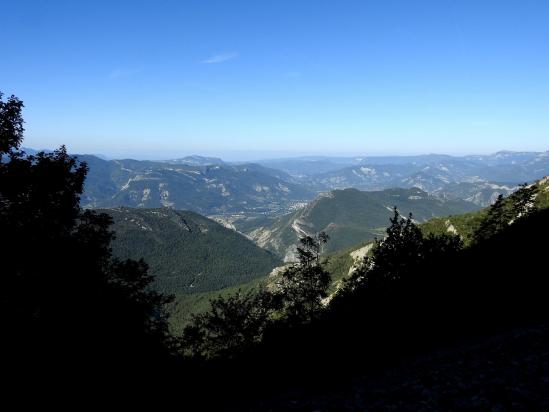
x=508, y=372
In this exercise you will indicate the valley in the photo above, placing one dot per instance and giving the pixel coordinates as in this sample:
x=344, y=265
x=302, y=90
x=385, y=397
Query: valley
x=348, y=216
x=206, y=226
x=275, y=206
x=230, y=191
x=209, y=189
x=197, y=259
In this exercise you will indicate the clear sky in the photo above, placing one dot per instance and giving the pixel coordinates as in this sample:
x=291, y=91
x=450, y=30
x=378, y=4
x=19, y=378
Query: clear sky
x=245, y=79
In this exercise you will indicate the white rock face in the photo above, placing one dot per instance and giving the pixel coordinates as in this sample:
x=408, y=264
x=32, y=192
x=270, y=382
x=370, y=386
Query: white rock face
x=146, y=195
x=368, y=171
x=298, y=229
x=359, y=254
x=164, y=195
x=291, y=254
x=224, y=191
x=224, y=222
x=278, y=270
x=283, y=188
x=450, y=227
x=261, y=236
x=545, y=182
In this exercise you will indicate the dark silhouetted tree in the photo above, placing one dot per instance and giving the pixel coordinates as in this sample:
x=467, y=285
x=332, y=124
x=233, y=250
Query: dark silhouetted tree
x=400, y=253
x=233, y=324
x=506, y=211
x=523, y=201
x=497, y=218
x=11, y=124
x=303, y=285
x=64, y=299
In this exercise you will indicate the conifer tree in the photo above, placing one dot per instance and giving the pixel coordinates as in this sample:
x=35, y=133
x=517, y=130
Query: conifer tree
x=523, y=201
x=506, y=211
x=399, y=253
x=303, y=285
x=497, y=218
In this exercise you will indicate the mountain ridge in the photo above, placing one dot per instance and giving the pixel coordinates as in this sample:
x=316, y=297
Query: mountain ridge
x=206, y=189
x=359, y=215
x=213, y=187
x=187, y=252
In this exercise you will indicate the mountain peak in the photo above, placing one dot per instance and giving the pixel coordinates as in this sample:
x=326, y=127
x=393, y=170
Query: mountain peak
x=196, y=160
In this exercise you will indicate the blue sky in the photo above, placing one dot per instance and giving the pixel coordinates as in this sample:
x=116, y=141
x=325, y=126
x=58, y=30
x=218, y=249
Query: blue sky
x=249, y=79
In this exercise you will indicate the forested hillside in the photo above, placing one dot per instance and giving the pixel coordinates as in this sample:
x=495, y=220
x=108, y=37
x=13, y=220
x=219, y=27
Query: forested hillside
x=71, y=305
x=189, y=184
x=465, y=225
x=187, y=252
x=412, y=295
x=349, y=217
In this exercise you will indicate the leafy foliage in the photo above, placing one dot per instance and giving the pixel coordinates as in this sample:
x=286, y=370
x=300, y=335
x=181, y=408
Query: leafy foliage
x=238, y=321
x=399, y=253
x=230, y=326
x=11, y=124
x=67, y=303
x=304, y=285
x=185, y=305
x=505, y=211
x=416, y=292
x=65, y=299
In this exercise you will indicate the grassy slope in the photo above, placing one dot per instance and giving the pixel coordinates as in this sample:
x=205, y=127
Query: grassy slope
x=186, y=304
x=465, y=224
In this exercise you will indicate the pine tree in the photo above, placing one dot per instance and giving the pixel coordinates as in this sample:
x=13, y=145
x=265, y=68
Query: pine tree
x=302, y=286
x=506, y=211
x=497, y=218
x=523, y=201
x=399, y=253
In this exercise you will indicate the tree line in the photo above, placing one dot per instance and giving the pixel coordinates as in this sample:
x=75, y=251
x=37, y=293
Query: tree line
x=66, y=302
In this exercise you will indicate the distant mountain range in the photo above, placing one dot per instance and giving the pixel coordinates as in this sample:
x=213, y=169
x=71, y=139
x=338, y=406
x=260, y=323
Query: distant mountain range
x=315, y=165
x=197, y=161
x=203, y=188
x=213, y=187
x=354, y=225
x=478, y=179
x=187, y=253
x=349, y=216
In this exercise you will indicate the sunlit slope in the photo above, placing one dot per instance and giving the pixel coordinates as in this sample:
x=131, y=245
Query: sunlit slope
x=351, y=216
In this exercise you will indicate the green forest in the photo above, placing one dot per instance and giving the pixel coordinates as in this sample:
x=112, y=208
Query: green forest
x=186, y=252
x=77, y=303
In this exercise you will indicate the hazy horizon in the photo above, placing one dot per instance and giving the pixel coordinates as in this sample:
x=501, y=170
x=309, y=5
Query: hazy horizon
x=246, y=156
x=136, y=79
